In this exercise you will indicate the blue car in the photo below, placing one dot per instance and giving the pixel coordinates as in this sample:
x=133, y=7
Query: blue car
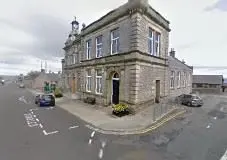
x=45, y=100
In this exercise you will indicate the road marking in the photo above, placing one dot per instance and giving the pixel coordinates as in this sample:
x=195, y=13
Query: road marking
x=215, y=118
x=37, y=119
x=224, y=157
x=49, y=133
x=92, y=134
x=73, y=127
x=208, y=126
x=41, y=126
x=35, y=109
x=103, y=144
x=34, y=116
x=32, y=113
x=90, y=141
x=31, y=122
x=100, y=153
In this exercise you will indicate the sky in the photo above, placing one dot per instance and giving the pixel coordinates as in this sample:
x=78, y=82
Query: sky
x=34, y=31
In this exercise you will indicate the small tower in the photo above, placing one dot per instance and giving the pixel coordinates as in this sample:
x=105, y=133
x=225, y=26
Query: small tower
x=75, y=26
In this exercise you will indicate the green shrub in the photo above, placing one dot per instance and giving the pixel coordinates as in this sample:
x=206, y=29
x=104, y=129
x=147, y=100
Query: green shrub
x=120, y=108
x=58, y=93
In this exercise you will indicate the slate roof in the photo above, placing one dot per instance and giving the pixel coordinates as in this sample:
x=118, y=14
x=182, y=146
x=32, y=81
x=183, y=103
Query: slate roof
x=176, y=63
x=208, y=79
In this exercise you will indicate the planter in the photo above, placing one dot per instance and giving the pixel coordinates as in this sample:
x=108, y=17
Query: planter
x=120, y=114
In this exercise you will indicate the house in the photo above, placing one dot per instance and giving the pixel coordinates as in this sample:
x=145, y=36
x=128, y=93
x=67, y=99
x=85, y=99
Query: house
x=121, y=57
x=39, y=81
x=180, y=76
x=207, y=83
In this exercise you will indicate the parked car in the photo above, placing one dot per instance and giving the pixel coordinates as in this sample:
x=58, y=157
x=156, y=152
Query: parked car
x=21, y=85
x=190, y=100
x=45, y=100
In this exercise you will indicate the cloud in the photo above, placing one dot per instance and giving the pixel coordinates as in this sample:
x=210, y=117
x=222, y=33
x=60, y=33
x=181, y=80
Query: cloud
x=36, y=30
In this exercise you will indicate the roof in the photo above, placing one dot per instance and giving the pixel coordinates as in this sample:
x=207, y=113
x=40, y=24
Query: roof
x=208, y=79
x=174, y=62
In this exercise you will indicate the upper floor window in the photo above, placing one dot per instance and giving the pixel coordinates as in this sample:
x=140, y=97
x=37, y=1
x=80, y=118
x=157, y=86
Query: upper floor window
x=88, y=49
x=74, y=58
x=154, y=41
x=178, y=79
x=172, y=76
x=189, y=79
x=115, y=35
x=99, y=47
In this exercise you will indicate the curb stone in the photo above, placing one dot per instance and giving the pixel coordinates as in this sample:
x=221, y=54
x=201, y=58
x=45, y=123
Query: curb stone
x=150, y=128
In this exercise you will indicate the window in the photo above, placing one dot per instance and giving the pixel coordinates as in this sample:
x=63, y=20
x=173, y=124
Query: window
x=99, y=47
x=184, y=79
x=115, y=41
x=99, y=81
x=189, y=79
x=151, y=42
x=154, y=40
x=88, y=49
x=172, y=76
x=74, y=59
x=199, y=85
x=178, y=79
x=88, y=81
x=157, y=44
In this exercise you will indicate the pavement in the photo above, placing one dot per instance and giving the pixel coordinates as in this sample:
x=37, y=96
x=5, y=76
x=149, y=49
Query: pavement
x=102, y=120
x=39, y=133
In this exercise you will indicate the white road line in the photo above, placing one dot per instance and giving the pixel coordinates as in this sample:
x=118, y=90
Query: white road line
x=208, y=126
x=52, y=132
x=103, y=144
x=224, y=157
x=37, y=119
x=215, y=118
x=44, y=132
x=41, y=126
x=31, y=112
x=35, y=109
x=100, y=153
x=73, y=127
x=92, y=134
x=34, y=116
x=90, y=141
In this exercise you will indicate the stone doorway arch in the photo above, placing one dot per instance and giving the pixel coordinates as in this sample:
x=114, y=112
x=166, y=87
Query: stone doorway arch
x=115, y=88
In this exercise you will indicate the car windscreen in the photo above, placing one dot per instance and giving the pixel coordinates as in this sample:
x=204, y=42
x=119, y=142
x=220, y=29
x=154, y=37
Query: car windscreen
x=47, y=97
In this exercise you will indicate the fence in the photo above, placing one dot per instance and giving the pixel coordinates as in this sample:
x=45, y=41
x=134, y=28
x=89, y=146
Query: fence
x=164, y=107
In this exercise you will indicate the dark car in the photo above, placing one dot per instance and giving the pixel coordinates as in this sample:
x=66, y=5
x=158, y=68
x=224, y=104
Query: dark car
x=45, y=100
x=190, y=100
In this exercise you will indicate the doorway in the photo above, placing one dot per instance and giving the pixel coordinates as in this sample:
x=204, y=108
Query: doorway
x=157, y=96
x=115, y=88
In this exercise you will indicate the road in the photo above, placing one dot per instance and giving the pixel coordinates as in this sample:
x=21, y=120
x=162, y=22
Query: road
x=31, y=132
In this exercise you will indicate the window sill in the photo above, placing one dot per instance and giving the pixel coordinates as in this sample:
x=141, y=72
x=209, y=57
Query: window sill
x=172, y=88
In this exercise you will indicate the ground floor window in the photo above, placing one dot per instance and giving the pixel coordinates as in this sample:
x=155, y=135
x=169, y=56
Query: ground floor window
x=88, y=81
x=99, y=81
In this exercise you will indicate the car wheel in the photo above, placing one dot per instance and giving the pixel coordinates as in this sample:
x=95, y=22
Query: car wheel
x=189, y=104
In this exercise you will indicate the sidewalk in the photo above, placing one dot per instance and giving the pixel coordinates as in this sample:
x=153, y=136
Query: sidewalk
x=103, y=121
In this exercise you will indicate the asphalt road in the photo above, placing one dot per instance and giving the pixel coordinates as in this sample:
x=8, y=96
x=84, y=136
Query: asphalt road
x=30, y=132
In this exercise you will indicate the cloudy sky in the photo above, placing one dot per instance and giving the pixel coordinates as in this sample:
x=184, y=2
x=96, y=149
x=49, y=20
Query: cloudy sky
x=32, y=31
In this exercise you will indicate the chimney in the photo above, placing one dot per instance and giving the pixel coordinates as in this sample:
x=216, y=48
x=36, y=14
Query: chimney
x=83, y=25
x=183, y=61
x=172, y=52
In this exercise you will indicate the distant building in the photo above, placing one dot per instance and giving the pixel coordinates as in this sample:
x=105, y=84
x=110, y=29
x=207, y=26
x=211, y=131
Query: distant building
x=207, y=83
x=180, y=75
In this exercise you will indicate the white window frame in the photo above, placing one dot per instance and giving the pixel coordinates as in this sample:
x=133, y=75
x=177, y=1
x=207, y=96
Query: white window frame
x=184, y=80
x=88, y=77
x=151, y=41
x=98, y=83
x=157, y=41
x=178, y=79
x=172, y=79
x=88, y=49
x=114, y=39
x=99, y=47
x=74, y=58
x=189, y=79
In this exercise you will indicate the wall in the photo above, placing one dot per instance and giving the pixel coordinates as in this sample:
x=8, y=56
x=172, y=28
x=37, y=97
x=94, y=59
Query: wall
x=177, y=66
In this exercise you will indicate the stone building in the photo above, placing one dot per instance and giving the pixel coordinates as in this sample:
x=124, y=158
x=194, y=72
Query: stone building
x=180, y=75
x=121, y=57
x=207, y=83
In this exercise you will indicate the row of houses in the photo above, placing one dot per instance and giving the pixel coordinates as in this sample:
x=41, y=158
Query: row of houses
x=124, y=57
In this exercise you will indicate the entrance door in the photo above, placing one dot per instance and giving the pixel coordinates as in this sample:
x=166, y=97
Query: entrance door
x=115, y=91
x=115, y=96
x=157, y=97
